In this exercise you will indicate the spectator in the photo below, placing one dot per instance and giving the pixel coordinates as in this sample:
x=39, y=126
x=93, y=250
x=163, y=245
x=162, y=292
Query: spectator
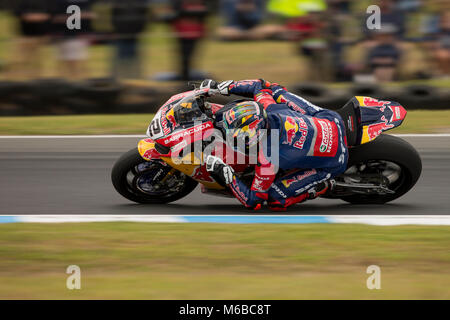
x=441, y=45
x=72, y=44
x=129, y=19
x=310, y=30
x=339, y=14
x=34, y=20
x=188, y=21
x=341, y=7
x=391, y=15
x=241, y=16
x=243, y=20
x=384, y=56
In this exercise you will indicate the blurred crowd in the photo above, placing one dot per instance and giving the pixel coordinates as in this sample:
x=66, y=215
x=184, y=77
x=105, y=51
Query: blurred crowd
x=332, y=35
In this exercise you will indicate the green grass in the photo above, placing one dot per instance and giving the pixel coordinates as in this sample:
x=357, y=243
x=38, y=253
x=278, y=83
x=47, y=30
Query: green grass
x=212, y=261
x=67, y=125
x=416, y=122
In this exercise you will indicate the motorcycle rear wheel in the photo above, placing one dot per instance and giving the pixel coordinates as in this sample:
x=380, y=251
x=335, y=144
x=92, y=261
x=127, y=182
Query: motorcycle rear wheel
x=392, y=152
x=143, y=181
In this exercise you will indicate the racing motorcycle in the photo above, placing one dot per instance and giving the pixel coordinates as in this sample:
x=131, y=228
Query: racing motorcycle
x=164, y=167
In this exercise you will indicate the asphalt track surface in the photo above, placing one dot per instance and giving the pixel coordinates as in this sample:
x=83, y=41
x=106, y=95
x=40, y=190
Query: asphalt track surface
x=44, y=175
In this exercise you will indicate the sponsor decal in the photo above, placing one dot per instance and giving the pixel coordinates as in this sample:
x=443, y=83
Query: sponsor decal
x=398, y=113
x=291, y=127
x=164, y=118
x=230, y=117
x=295, y=107
x=350, y=123
x=288, y=182
x=278, y=190
x=281, y=99
x=260, y=183
x=374, y=130
x=237, y=191
x=158, y=175
x=303, y=128
x=327, y=138
x=179, y=146
x=309, y=186
x=188, y=132
x=245, y=83
x=257, y=185
x=371, y=102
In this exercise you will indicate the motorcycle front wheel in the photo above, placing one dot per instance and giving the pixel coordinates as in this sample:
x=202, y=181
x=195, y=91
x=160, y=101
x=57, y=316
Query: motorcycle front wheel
x=149, y=182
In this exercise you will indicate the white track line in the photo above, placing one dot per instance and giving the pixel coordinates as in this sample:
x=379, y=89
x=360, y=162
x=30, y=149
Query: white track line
x=412, y=135
x=425, y=135
x=393, y=220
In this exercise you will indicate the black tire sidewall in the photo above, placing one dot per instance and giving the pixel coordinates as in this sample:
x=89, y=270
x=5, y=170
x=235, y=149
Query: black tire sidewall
x=119, y=174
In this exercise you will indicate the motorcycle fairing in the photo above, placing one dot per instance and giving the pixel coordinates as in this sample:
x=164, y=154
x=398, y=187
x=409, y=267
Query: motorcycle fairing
x=377, y=116
x=176, y=145
x=147, y=149
x=191, y=166
x=183, y=95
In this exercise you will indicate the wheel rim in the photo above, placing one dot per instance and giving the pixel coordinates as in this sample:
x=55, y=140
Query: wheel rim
x=155, y=179
x=390, y=174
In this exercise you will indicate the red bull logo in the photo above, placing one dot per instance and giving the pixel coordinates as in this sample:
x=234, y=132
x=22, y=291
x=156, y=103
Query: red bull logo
x=375, y=130
x=291, y=128
x=288, y=182
x=303, y=127
x=371, y=102
x=171, y=118
x=230, y=116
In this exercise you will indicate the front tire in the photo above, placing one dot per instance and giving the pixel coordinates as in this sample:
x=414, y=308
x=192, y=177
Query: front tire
x=141, y=181
x=387, y=149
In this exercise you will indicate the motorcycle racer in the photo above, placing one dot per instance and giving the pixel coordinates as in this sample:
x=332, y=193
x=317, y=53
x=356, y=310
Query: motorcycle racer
x=312, y=148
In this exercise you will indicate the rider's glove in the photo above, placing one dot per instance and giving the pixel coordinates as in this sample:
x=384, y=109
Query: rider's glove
x=269, y=85
x=224, y=87
x=219, y=170
x=214, y=87
x=265, y=84
x=208, y=84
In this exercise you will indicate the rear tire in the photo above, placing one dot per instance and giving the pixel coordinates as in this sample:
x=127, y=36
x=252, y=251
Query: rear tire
x=127, y=164
x=392, y=149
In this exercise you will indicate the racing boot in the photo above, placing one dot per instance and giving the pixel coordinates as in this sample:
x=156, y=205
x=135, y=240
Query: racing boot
x=319, y=190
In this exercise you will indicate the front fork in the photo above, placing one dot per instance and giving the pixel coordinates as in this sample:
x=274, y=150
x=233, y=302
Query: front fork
x=148, y=152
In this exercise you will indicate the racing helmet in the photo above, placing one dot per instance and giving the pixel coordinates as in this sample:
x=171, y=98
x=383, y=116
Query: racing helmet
x=243, y=120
